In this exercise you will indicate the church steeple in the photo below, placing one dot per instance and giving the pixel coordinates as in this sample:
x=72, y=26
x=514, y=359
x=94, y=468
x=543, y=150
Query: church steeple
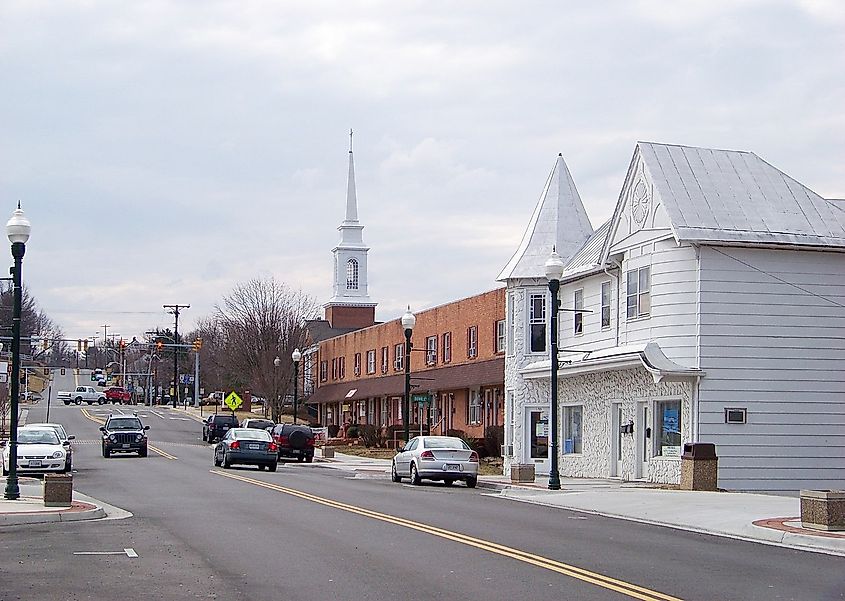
x=350, y=305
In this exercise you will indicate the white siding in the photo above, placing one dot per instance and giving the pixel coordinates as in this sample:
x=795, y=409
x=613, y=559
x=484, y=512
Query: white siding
x=593, y=337
x=773, y=341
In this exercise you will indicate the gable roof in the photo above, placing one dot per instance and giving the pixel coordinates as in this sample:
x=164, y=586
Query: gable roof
x=730, y=196
x=559, y=222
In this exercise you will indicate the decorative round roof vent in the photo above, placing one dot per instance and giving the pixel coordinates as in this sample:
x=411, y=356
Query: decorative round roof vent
x=639, y=202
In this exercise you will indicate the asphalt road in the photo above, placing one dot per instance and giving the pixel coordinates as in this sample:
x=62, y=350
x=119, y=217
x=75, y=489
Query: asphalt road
x=312, y=533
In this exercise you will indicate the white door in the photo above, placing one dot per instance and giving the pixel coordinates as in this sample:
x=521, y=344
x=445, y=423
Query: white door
x=616, y=440
x=537, y=438
x=642, y=431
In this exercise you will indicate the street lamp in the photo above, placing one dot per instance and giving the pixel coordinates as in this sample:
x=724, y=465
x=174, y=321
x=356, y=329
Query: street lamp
x=408, y=322
x=276, y=363
x=296, y=356
x=18, y=229
x=554, y=271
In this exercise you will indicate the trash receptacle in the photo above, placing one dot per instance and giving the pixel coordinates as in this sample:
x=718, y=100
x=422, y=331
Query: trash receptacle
x=522, y=472
x=328, y=452
x=58, y=490
x=699, y=466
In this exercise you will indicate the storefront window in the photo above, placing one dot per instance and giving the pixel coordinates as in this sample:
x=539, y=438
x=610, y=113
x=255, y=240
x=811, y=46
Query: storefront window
x=667, y=416
x=572, y=417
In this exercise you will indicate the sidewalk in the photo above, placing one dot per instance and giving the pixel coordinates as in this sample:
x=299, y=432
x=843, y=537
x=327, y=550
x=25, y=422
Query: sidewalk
x=30, y=509
x=766, y=519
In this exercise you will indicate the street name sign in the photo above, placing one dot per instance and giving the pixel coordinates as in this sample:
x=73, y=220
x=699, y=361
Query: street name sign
x=420, y=397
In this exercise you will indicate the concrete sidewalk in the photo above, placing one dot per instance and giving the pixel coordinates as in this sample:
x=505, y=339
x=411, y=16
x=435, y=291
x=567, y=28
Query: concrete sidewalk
x=767, y=519
x=30, y=509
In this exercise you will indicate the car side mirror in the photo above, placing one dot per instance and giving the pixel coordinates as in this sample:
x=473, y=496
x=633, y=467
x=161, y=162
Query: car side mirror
x=146, y=427
x=102, y=429
x=71, y=437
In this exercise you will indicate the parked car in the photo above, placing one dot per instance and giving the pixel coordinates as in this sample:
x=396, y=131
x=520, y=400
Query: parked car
x=32, y=397
x=294, y=441
x=446, y=458
x=215, y=398
x=118, y=395
x=39, y=450
x=64, y=438
x=247, y=446
x=124, y=434
x=215, y=426
x=258, y=423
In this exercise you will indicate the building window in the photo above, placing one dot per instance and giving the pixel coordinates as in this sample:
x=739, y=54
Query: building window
x=384, y=415
x=399, y=357
x=385, y=359
x=639, y=292
x=341, y=367
x=537, y=322
x=447, y=347
x=431, y=350
x=667, y=426
x=371, y=361
x=578, y=305
x=511, y=324
x=474, y=415
x=605, y=305
x=500, y=336
x=357, y=365
x=324, y=371
x=472, y=342
x=308, y=374
x=334, y=368
x=352, y=274
x=572, y=419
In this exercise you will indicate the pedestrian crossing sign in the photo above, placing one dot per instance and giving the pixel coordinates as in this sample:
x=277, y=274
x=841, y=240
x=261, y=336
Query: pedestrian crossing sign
x=233, y=401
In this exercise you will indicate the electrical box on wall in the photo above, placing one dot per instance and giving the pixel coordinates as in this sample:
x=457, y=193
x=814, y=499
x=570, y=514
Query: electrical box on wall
x=735, y=415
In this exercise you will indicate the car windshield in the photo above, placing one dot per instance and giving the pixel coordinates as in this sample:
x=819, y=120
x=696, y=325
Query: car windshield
x=252, y=435
x=128, y=423
x=445, y=442
x=37, y=437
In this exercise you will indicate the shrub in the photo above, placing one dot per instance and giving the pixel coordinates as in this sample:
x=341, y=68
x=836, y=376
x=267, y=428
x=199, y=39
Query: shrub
x=333, y=430
x=369, y=435
x=494, y=438
x=352, y=431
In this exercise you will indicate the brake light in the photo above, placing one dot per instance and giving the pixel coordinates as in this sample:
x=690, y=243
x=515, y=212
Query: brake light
x=309, y=442
x=473, y=457
x=273, y=447
x=235, y=445
x=283, y=441
x=427, y=456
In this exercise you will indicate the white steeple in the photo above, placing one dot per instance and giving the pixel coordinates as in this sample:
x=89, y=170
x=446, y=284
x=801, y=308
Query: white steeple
x=559, y=222
x=350, y=255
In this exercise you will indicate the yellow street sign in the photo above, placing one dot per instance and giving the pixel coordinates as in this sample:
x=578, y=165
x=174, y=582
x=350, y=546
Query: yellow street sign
x=233, y=401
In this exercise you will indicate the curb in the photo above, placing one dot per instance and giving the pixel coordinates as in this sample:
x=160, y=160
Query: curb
x=94, y=512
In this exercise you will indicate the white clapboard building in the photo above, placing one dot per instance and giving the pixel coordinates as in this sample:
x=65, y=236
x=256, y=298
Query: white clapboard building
x=712, y=310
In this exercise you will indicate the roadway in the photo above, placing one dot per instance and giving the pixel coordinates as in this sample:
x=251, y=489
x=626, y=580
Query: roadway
x=308, y=532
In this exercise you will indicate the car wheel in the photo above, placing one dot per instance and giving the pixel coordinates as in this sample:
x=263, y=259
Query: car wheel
x=101, y=401
x=472, y=481
x=79, y=400
x=448, y=482
x=106, y=453
x=309, y=459
x=67, y=402
x=261, y=467
x=415, y=476
x=142, y=452
x=300, y=459
x=394, y=475
x=216, y=460
x=226, y=463
x=68, y=467
x=204, y=437
x=272, y=467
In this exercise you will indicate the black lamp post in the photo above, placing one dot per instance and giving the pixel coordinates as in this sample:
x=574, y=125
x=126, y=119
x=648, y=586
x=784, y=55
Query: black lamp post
x=408, y=322
x=276, y=404
x=18, y=229
x=296, y=356
x=554, y=271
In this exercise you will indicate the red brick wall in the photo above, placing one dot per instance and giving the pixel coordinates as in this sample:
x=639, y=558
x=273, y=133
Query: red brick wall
x=350, y=317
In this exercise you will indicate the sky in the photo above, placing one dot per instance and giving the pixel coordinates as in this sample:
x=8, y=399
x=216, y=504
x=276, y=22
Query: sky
x=165, y=151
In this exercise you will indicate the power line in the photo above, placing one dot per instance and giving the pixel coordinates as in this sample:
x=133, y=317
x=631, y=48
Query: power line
x=174, y=310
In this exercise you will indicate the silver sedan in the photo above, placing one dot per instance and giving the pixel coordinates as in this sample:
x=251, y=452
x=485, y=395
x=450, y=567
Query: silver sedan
x=445, y=458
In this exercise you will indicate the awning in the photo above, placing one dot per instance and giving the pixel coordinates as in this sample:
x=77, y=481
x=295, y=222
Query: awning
x=468, y=375
x=648, y=355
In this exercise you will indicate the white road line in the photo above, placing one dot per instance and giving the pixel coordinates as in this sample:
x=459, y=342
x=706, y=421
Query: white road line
x=157, y=414
x=181, y=419
x=128, y=552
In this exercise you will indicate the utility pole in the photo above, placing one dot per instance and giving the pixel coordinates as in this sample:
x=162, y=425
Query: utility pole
x=174, y=310
x=105, y=342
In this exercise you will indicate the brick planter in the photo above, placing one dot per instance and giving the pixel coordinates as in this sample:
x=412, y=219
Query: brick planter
x=58, y=490
x=522, y=472
x=823, y=509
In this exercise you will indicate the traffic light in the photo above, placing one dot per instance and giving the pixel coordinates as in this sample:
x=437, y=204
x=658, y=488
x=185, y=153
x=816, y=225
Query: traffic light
x=45, y=344
x=197, y=344
x=85, y=345
x=159, y=346
x=122, y=344
x=78, y=346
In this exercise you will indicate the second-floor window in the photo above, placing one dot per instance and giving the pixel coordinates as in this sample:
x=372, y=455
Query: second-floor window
x=605, y=305
x=447, y=347
x=639, y=292
x=371, y=361
x=334, y=368
x=578, y=305
x=500, y=336
x=385, y=359
x=431, y=350
x=511, y=324
x=324, y=371
x=341, y=367
x=399, y=357
x=472, y=342
x=357, y=366
x=537, y=322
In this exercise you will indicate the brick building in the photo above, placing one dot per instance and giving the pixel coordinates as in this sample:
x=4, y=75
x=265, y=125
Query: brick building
x=353, y=367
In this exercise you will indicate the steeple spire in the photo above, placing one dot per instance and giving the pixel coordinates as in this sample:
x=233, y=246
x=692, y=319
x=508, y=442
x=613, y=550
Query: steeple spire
x=351, y=196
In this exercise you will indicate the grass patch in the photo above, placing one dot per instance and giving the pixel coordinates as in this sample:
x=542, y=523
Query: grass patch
x=361, y=451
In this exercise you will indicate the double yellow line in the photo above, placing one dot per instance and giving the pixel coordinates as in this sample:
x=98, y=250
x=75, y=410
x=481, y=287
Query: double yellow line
x=102, y=422
x=606, y=582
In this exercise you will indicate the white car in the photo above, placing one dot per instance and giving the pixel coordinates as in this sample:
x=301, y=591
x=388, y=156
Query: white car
x=65, y=439
x=39, y=450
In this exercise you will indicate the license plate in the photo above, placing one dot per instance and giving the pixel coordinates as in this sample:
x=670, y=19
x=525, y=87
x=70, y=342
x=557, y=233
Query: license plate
x=452, y=467
x=254, y=447
x=225, y=427
x=296, y=451
x=34, y=463
x=125, y=445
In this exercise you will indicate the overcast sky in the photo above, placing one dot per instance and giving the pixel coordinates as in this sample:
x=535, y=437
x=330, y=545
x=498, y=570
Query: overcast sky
x=165, y=151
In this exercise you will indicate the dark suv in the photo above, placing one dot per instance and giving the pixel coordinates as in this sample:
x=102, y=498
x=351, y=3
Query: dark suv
x=124, y=434
x=215, y=426
x=294, y=441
